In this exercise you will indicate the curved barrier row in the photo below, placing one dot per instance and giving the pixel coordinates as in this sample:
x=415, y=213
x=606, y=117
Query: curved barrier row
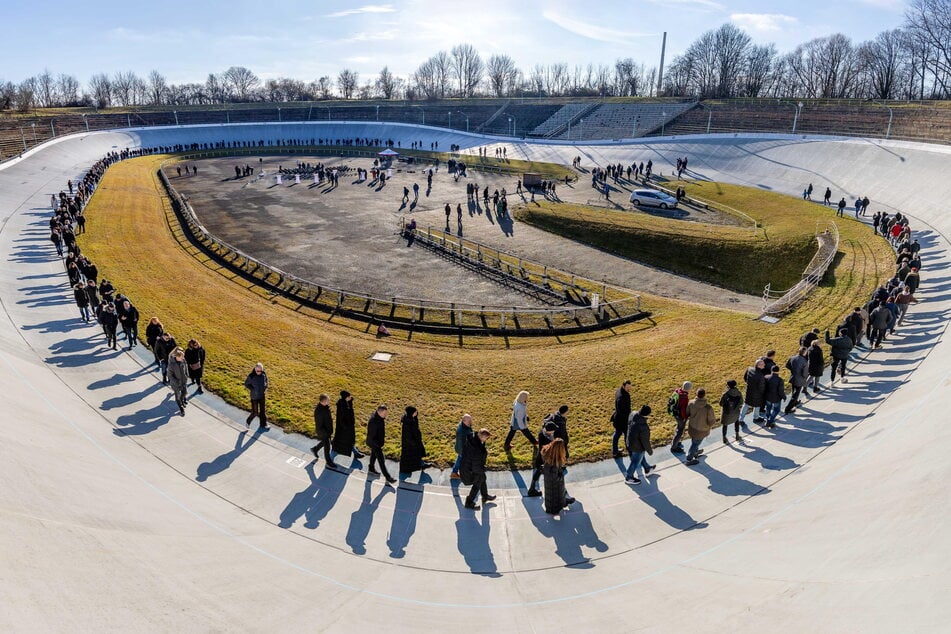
x=779, y=302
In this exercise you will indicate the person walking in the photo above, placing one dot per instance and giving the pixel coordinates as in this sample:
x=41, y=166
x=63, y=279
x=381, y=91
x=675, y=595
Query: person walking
x=323, y=429
x=110, y=322
x=82, y=301
x=817, y=364
x=622, y=412
x=472, y=469
x=638, y=443
x=677, y=407
x=554, y=456
x=545, y=435
x=130, y=322
x=774, y=395
x=178, y=378
x=730, y=403
x=345, y=433
x=701, y=419
x=152, y=333
x=881, y=319
x=463, y=432
x=163, y=347
x=798, y=366
x=195, y=358
x=376, y=437
x=519, y=422
x=257, y=385
x=839, y=348
x=903, y=300
x=412, y=449
x=755, y=388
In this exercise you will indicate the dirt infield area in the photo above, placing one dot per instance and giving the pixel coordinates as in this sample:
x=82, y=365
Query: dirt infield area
x=347, y=236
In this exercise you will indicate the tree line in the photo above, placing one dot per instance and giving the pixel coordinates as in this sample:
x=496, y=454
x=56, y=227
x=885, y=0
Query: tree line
x=911, y=62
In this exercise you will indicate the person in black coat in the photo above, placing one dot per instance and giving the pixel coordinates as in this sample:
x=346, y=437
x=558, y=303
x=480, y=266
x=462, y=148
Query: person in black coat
x=376, y=437
x=545, y=436
x=195, y=358
x=622, y=411
x=412, y=450
x=110, y=321
x=472, y=468
x=345, y=433
x=323, y=429
x=129, y=319
x=554, y=457
x=817, y=364
x=82, y=301
x=755, y=389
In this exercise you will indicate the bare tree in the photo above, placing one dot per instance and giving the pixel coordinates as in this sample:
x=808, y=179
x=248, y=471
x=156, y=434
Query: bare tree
x=67, y=86
x=123, y=84
x=536, y=80
x=758, y=70
x=929, y=22
x=502, y=73
x=214, y=90
x=25, y=99
x=46, y=89
x=467, y=67
x=157, y=88
x=241, y=81
x=386, y=83
x=8, y=93
x=100, y=88
x=884, y=61
x=347, y=82
x=323, y=88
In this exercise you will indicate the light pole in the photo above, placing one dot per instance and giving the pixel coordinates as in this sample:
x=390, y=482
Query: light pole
x=174, y=112
x=512, y=121
x=86, y=121
x=467, y=118
x=663, y=124
x=796, y=118
x=328, y=112
x=378, y=113
x=33, y=125
x=890, y=115
x=23, y=139
x=310, y=110
x=278, y=115
x=450, y=119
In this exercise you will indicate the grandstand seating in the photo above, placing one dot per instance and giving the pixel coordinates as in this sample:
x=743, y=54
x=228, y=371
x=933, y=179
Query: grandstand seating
x=566, y=113
x=624, y=120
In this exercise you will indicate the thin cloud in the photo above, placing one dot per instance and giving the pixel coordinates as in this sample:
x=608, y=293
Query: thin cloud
x=367, y=8
x=701, y=5
x=889, y=5
x=591, y=31
x=763, y=22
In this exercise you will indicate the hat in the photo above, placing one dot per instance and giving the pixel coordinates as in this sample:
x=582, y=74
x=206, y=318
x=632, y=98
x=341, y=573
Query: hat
x=645, y=410
x=687, y=385
x=731, y=383
x=344, y=394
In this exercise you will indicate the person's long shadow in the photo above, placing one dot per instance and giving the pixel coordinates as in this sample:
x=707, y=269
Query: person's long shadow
x=472, y=537
x=361, y=520
x=55, y=325
x=506, y=225
x=570, y=530
x=117, y=379
x=723, y=484
x=144, y=421
x=315, y=501
x=665, y=510
x=765, y=459
x=130, y=398
x=405, y=514
x=225, y=460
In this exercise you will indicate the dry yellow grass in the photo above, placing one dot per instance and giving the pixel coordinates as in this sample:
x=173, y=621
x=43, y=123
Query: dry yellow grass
x=133, y=237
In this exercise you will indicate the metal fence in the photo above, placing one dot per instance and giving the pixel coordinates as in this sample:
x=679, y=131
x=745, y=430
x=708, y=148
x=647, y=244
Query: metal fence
x=583, y=314
x=780, y=302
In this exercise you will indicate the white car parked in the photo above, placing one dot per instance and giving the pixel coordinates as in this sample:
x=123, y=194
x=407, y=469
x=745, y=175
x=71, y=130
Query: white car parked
x=652, y=198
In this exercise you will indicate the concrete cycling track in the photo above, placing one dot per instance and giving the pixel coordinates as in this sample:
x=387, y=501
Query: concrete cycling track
x=118, y=515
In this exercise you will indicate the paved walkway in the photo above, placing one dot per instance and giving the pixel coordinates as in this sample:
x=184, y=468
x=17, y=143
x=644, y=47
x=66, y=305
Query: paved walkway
x=118, y=515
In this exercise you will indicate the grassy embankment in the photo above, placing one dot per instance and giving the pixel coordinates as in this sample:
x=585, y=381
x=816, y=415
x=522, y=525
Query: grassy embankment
x=135, y=239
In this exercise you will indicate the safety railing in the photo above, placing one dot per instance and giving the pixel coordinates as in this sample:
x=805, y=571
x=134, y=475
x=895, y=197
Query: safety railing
x=779, y=302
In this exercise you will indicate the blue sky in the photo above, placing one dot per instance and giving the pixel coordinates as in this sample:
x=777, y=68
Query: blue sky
x=187, y=40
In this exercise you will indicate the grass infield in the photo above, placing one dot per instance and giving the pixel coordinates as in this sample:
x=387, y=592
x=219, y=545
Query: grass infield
x=134, y=237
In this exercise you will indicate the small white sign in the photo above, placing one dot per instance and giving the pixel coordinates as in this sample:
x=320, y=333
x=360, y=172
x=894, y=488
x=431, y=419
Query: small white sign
x=382, y=356
x=769, y=319
x=296, y=462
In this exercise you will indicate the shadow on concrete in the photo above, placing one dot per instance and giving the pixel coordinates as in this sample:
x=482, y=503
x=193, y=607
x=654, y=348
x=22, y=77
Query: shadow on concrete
x=571, y=530
x=225, y=460
x=130, y=398
x=145, y=421
x=472, y=537
x=664, y=509
x=314, y=502
x=361, y=520
x=405, y=515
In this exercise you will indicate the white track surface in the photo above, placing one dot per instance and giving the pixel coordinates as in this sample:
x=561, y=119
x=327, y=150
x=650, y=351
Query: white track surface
x=117, y=516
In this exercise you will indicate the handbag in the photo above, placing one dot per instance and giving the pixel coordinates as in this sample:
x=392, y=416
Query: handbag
x=194, y=366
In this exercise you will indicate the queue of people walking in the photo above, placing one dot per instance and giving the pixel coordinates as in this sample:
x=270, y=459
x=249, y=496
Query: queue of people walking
x=695, y=418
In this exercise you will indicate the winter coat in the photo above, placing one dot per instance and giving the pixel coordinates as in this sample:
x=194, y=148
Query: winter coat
x=554, y=489
x=775, y=389
x=195, y=356
x=912, y=281
x=163, y=348
x=177, y=374
x=463, y=432
x=256, y=383
x=806, y=340
x=152, y=333
x=622, y=409
x=323, y=422
x=109, y=320
x=129, y=317
x=82, y=300
x=376, y=432
x=755, y=387
x=92, y=292
x=700, y=418
x=519, y=415
x=817, y=361
x=730, y=404
x=638, y=434
x=412, y=449
x=474, y=456
x=798, y=365
x=345, y=433
x=840, y=347
x=882, y=318
x=682, y=400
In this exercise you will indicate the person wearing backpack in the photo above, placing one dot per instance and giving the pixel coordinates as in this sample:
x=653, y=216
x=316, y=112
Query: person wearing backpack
x=730, y=404
x=638, y=443
x=677, y=407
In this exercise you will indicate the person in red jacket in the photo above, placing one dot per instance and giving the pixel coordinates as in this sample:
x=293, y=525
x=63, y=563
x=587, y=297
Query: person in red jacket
x=677, y=407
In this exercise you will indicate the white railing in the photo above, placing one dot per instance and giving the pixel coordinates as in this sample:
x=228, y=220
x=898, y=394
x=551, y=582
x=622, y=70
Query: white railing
x=778, y=302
